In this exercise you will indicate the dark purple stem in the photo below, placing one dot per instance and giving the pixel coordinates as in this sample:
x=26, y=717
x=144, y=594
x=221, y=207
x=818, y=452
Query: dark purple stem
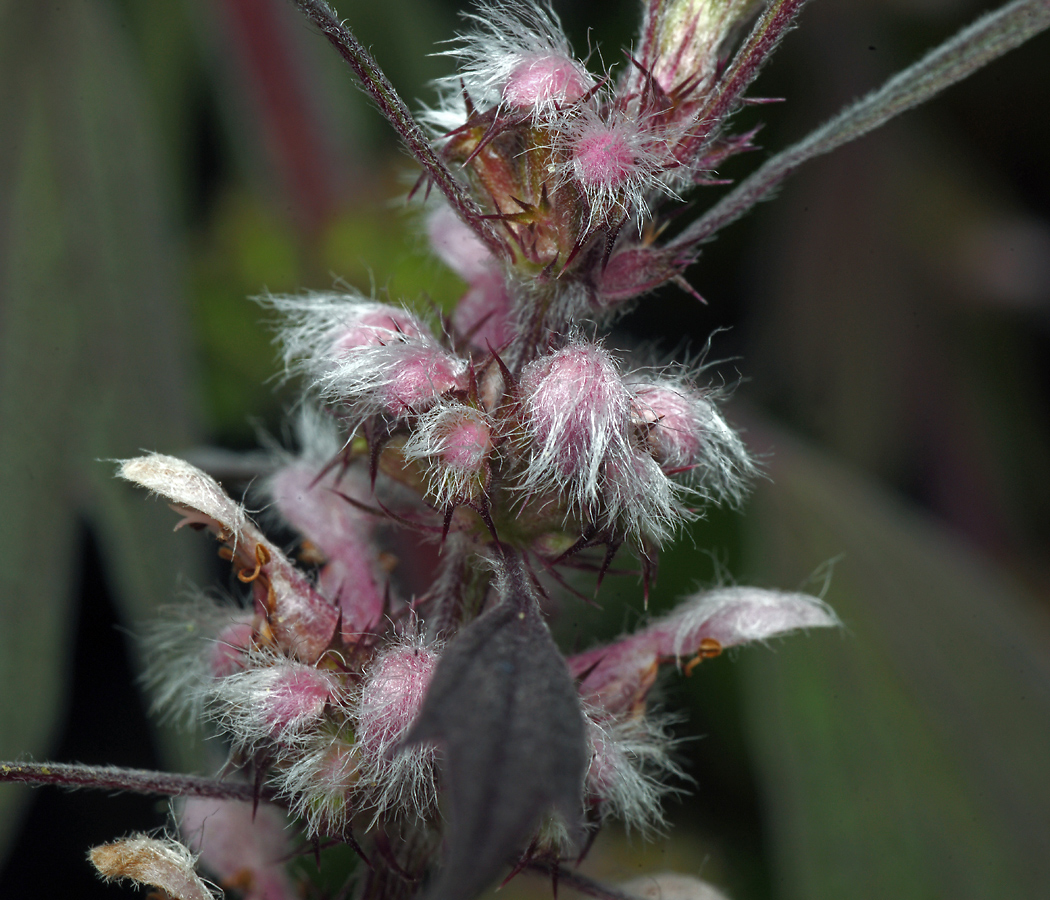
x=138, y=781
x=770, y=28
x=578, y=882
x=378, y=87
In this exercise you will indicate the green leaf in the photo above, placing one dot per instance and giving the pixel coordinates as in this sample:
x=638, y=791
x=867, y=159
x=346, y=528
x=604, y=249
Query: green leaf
x=907, y=757
x=92, y=350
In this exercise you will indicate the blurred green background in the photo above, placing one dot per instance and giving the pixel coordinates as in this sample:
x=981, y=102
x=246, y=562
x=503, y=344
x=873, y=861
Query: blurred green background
x=888, y=317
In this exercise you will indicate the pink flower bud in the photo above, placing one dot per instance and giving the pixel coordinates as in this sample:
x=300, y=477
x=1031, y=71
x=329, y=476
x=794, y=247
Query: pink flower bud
x=683, y=429
x=419, y=376
x=672, y=420
x=391, y=698
x=296, y=697
x=274, y=701
x=576, y=413
x=455, y=441
x=372, y=324
x=466, y=444
x=620, y=675
x=603, y=157
x=545, y=80
x=231, y=644
x=616, y=162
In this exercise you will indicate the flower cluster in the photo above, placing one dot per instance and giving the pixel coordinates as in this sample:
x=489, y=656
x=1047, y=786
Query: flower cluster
x=393, y=684
x=449, y=479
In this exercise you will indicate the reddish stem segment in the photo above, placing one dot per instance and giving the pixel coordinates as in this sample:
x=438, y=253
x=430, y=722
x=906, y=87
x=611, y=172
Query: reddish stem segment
x=138, y=781
x=378, y=87
x=771, y=26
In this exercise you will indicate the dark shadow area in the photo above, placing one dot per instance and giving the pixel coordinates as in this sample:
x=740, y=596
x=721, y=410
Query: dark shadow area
x=106, y=724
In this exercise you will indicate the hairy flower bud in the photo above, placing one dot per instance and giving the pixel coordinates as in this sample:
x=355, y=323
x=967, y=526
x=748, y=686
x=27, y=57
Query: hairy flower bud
x=576, y=413
x=391, y=698
x=389, y=704
x=684, y=431
x=455, y=441
x=275, y=700
x=541, y=81
x=682, y=40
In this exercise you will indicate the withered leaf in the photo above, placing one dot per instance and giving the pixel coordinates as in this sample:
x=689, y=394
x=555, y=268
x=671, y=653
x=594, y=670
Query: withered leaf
x=507, y=715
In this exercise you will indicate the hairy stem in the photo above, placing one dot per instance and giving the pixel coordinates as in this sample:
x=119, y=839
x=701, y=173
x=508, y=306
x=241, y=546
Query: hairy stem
x=375, y=83
x=138, y=781
x=989, y=37
x=770, y=28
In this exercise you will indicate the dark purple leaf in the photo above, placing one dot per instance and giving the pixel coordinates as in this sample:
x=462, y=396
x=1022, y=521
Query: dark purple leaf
x=507, y=715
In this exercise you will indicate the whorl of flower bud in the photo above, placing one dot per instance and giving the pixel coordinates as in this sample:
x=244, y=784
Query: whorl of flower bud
x=629, y=769
x=387, y=706
x=275, y=701
x=518, y=57
x=576, y=412
x=455, y=442
x=684, y=431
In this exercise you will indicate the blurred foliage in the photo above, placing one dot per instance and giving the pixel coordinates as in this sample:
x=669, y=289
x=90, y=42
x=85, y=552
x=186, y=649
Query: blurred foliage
x=162, y=162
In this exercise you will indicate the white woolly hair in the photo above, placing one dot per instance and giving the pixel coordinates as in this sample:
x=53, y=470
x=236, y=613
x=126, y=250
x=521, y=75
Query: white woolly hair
x=446, y=484
x=395, y=779
x=724, y=470
x=641, y=748
x=607, y=431
x=176, y=647
x=356, y=378
x=237, y=703
x=652, y=160
x=503, y=36
x=317, y=436
x=324, y=799
x=312, y=323
x=641, y=500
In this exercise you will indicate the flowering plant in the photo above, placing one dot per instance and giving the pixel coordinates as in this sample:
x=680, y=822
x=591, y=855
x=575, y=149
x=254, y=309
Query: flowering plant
x=518, y=441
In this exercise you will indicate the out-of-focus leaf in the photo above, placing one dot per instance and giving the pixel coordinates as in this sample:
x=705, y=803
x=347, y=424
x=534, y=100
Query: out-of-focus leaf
x=505, y=710
x=92, y=356
x=908, y=757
